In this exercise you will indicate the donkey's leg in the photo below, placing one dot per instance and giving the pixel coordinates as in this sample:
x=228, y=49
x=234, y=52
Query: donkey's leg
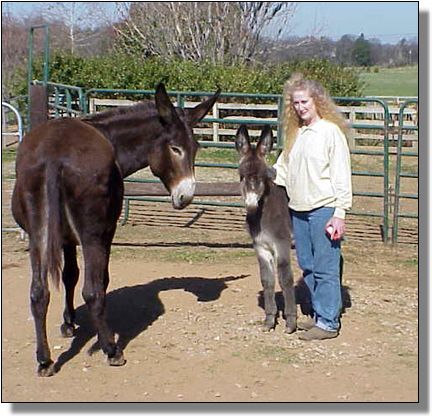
x=70, y=276
x=267, y=275
x=94, y=293
x=285, y=278
x=39, y=299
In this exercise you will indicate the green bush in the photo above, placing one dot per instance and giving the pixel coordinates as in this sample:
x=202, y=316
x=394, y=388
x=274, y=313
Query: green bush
x=125, y=72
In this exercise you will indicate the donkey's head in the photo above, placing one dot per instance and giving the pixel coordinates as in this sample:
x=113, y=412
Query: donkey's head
x=252, y=165
x=172, y=158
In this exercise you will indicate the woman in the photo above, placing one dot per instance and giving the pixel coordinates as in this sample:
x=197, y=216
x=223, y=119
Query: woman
x=314, y=167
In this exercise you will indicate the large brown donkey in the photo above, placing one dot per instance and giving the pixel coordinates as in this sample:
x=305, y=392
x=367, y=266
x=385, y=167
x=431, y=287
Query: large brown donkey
x=69, y=191
x=268, y=222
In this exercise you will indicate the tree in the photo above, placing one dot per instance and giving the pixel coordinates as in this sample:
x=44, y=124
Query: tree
x=361, y=52
x=14, y=51
x=344, y=49
x=77, y=25
x=220, y=32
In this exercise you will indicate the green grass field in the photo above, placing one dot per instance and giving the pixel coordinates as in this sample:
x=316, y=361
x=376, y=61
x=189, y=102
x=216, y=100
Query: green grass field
x=402, y=81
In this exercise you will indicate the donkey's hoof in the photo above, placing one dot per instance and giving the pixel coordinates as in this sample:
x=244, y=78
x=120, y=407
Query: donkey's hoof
x=268, y=325
x=46, y=370
x=290, y=329
x=117, y=361
x=290, y=325
x=266, y=328
x=67, y=330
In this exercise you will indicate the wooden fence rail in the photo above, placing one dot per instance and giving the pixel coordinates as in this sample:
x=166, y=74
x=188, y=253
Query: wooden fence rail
x=368, y=115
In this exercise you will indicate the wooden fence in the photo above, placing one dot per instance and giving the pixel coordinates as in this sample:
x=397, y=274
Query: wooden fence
x=356, y=115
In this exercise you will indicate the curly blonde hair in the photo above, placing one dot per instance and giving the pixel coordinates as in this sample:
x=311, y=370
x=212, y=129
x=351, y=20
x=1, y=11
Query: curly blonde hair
x=325, y=107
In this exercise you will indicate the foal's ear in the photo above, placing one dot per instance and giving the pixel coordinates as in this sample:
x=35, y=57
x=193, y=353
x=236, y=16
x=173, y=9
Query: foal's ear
x=242, y=140
x=265, y=143
x=195, y=114
x=164, y=106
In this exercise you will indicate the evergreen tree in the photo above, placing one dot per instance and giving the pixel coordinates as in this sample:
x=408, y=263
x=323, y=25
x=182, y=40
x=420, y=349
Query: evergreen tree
x=361, y=53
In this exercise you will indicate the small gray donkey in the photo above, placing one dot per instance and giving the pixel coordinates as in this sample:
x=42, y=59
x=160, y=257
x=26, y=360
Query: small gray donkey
x=268, y=222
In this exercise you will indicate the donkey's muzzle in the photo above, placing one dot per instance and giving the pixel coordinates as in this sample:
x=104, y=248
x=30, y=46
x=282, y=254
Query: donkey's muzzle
x=182, y=194
x=251, y=201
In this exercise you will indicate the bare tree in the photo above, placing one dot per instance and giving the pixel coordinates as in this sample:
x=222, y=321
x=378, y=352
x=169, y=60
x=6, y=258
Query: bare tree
x=221, y=32
x=78, y=23
x=14, y=50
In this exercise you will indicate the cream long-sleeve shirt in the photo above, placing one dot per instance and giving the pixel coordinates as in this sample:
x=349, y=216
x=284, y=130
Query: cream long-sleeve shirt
x=317, y=171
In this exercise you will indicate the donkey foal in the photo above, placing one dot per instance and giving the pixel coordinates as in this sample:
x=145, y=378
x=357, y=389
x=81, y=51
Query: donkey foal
x=268, y=223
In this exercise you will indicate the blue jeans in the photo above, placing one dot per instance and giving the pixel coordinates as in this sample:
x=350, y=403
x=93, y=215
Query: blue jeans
x=319, y=258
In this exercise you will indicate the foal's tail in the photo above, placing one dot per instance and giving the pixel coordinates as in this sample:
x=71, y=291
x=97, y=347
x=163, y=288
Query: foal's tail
x=54, y=235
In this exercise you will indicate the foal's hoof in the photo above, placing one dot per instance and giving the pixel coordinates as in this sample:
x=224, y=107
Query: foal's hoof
x=290, y=325
x=46, y=370
x=67, y=330
x=290, y=329
x=117, y=360
x=268, y=326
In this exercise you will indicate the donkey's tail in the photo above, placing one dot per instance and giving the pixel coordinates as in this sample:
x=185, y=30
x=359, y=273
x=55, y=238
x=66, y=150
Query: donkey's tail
x=54, y=223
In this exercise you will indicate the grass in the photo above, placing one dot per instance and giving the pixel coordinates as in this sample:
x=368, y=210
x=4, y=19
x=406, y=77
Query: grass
x=401, y=81
x=413, y=262
x=222, y=155
x=278, y=354
x=204, y=256
x=8, y=155
x=184, y=255
x=219, y=155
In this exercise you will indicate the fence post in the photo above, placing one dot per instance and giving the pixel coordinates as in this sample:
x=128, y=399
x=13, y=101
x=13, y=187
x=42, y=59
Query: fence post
x=38, y=105
x=216, y=124
x=352, y=121
x=3, y=127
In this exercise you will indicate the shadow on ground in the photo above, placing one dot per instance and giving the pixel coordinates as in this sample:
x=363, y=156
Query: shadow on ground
x=131, y=310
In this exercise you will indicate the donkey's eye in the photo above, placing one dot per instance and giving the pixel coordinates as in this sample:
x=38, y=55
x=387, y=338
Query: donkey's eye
x=176, y=150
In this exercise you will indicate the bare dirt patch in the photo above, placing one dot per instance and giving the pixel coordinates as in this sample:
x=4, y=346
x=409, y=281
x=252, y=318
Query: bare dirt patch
x=185, y=302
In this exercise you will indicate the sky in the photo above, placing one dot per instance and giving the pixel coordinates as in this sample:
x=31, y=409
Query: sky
x=388, y=21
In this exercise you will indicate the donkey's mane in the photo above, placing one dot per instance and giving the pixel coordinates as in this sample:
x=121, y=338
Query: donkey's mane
x=146, y=109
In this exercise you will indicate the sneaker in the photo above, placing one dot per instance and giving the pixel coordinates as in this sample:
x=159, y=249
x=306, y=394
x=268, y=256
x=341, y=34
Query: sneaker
x=306, y=324
x=316, y=333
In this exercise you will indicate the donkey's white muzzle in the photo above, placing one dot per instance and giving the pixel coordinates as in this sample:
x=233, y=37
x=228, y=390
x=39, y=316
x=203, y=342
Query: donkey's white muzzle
x=251, y=200
x=182, y=194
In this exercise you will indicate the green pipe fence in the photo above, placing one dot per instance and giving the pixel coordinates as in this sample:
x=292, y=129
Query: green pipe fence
x=399, y=174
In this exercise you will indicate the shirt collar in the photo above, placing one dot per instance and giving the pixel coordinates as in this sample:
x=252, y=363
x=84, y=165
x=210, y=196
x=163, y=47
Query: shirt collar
x=314, y=127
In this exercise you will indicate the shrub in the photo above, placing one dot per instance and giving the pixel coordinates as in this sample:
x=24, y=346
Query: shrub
x=125, y=72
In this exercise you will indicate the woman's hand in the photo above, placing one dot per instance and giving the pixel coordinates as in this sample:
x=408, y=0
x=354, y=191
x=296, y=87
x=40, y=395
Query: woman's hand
x=335, y=228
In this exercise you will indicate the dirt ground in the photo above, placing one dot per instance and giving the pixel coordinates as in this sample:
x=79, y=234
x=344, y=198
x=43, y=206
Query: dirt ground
x=185, y=302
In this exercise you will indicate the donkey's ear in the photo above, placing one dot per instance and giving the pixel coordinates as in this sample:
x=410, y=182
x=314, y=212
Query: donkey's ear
x=195, y=114
x=265, y=143
x=242, y=140
x=164, y=106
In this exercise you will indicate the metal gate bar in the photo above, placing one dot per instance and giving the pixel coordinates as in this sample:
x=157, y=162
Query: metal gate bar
x=399, y=174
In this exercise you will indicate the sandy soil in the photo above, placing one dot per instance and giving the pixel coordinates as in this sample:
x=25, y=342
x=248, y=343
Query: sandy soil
x=186, y=304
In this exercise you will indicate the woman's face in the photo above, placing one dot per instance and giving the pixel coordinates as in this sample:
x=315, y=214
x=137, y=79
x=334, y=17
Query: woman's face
x=305, y=107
